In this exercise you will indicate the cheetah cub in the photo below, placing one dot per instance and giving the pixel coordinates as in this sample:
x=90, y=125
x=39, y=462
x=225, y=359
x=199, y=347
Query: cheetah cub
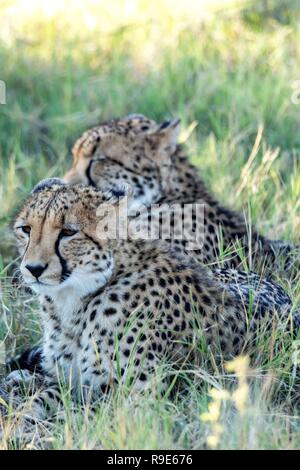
x=112, y=309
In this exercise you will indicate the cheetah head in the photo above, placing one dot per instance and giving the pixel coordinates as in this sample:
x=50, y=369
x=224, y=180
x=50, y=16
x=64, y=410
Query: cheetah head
x=133, y=149
x=57, y=232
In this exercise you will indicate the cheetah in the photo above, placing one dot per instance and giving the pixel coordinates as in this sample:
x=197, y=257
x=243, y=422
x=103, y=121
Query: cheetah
x=137, y=150
x=113, y=309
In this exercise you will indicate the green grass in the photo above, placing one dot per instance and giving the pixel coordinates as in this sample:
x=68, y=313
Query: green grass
x=230, y=70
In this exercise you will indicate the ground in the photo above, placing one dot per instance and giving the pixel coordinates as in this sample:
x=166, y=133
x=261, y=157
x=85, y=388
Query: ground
x=231, y=77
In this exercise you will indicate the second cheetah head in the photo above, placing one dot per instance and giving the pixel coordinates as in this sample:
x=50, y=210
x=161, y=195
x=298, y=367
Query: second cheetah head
x=133, y=149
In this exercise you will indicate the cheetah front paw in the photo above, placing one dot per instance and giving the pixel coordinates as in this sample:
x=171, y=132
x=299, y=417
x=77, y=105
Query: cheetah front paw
x=17, y=379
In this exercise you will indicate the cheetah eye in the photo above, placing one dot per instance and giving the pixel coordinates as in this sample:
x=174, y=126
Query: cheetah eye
x=25, y=229
x=68, y=232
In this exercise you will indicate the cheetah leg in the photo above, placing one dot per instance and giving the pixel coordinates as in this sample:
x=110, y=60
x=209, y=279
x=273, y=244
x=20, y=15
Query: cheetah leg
x=18, y=385
x=30, y=394
x=288, y=253
x=23, y=418
x=277, y=254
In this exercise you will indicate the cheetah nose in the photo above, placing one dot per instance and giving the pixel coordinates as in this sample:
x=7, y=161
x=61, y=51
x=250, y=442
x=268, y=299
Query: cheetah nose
x=37, y=269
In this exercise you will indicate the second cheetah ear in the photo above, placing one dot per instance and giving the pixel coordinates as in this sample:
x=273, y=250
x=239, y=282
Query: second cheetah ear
x=163, y=140
x=118, y=192
x=47, y=183
x=169, y=130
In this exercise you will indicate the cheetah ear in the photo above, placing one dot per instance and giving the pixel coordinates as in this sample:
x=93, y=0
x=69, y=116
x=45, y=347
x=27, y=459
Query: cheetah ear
x=167, y=132
x=162, y=141
x=47, y=183
x=118, y=192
